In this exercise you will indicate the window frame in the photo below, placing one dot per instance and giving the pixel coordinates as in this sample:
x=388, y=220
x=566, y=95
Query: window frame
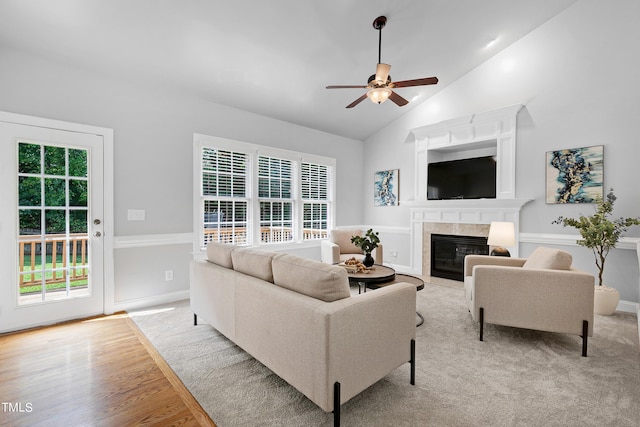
x=253, y=153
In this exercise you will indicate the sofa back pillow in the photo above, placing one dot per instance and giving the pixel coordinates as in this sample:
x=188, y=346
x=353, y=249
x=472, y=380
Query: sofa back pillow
x=549, y=258
x=253, y=262
x=220, y=254
x=342, y=238
x=325, y=282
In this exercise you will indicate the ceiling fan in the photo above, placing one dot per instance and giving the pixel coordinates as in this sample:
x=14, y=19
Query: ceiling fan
x=380, y=85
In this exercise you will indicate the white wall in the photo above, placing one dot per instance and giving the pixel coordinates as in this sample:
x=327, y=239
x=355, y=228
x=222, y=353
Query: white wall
x=153, y=142
x=577, y=76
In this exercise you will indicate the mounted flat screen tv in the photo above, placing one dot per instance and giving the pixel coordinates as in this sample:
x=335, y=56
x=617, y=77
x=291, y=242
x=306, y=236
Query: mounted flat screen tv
x=462, y=179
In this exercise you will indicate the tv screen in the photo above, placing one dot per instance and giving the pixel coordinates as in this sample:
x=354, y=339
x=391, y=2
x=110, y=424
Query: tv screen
x=462, y=179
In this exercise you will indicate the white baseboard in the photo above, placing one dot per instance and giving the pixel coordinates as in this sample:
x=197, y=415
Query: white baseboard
x=628, y=307
x=133, y=304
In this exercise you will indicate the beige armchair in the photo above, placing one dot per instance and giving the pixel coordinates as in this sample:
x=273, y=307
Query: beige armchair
x=542, y=292
x=339, y=247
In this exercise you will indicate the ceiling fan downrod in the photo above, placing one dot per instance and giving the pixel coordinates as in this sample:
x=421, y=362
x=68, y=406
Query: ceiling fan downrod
x=379, y=24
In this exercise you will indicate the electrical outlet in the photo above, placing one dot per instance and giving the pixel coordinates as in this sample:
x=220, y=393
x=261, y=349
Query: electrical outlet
x=168, y=275
x=393, y=254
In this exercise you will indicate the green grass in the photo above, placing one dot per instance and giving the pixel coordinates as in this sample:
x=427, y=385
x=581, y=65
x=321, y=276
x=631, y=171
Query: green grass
x=53, y=287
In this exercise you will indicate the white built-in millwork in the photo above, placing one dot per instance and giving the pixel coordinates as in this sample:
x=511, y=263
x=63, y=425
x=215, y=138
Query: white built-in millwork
x=491, y=133
x=484, y=134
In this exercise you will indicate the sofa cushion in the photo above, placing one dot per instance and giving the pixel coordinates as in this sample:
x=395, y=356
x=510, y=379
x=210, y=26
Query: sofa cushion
x=342, y=238
x=220, y=254
x=312, y=278
x=549, y=258
x=253, y=262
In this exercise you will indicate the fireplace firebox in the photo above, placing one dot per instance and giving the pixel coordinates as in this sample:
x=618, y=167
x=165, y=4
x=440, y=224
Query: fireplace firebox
x=448, y=252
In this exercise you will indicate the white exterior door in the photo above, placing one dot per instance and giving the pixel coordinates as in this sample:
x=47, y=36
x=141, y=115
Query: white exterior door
x=51, y=225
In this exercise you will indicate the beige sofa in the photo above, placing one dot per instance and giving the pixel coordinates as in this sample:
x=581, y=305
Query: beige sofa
x=339, y=248
x=542, y=292
x=297, y=317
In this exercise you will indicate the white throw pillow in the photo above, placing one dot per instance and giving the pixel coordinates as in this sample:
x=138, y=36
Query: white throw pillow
x=549, y=258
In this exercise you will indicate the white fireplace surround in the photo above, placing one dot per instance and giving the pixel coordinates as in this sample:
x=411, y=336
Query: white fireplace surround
x=490, y=133
x=458, y=217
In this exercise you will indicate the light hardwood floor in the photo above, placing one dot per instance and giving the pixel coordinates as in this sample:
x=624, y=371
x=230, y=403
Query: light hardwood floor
x=100, y=371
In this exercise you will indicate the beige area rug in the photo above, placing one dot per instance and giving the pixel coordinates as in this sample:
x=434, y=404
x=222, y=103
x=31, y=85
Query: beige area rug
x=516, y=377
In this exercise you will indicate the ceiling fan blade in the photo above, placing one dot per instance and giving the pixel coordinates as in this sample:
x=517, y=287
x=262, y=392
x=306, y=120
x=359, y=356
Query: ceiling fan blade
x=346, y=87
x=357, y=101
x=399, y=101
x=416, y=82
x=382, y=73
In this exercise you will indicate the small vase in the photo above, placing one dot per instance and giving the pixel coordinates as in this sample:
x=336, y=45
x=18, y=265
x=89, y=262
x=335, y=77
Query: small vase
x=368, y=260
x=605, y=300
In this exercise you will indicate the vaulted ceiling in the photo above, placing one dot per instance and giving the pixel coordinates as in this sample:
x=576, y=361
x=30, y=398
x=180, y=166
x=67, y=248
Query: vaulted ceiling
x=275, y=57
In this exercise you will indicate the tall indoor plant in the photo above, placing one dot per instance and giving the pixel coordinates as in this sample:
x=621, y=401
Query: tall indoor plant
x=367, y=243
x=601, y=234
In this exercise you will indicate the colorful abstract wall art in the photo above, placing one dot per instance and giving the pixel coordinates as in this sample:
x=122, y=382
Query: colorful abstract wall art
x=575, y=175
x=385, y=188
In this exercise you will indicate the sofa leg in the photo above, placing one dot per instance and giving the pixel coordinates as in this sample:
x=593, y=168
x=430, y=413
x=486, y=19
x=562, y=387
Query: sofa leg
x=336, y=404
x=481, y=322
x=413, y=362
x=585, y=335
x=195, y=319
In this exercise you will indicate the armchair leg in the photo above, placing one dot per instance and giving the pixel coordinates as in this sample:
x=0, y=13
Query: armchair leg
x=195, y=319
x=413, y=362
x=481, y=322
x=336, y=404
x=585, y=335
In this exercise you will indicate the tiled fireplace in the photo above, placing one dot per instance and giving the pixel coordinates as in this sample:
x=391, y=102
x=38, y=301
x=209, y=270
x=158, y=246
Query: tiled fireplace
x=458, y=218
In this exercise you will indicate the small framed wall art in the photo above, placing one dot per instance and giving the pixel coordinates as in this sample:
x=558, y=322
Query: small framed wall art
x=575, y=175
x=385, y=188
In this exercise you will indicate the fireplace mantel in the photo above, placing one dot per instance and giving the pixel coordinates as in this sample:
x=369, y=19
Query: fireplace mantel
x=471, y=211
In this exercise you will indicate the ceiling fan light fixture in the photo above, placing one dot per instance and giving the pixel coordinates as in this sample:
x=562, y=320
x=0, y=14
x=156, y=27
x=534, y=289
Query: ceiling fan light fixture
x=379, y=94
x=379, y=85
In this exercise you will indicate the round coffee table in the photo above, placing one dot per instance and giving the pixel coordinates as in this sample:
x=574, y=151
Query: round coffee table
x=377, y=275
x=382, y=276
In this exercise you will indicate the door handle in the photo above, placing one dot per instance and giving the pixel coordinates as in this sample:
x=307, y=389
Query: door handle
x=97, y=234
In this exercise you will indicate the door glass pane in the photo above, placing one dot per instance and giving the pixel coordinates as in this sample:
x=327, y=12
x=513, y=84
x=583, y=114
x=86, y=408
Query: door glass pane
x=78, y=222
x=54, y=161
x=29, y=191
x=77, y=162
x=53, y=248
x=55, y=221
x=30, y=222
x=29, y=158
x=54, y=192
x=77, y=192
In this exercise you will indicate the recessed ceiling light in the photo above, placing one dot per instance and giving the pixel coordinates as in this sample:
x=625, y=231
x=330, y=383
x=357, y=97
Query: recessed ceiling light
x=490, y=43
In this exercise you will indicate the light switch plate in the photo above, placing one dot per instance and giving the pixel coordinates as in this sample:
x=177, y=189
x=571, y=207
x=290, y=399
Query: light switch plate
x=135, y=214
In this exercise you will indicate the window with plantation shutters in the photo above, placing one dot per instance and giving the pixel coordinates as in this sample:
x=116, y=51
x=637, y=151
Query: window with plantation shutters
x=275, y=179
x=253, y=195
x=315, y=200
x=224, y=196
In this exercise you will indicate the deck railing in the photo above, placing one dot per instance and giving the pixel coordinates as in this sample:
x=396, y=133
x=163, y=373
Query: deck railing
x=238, y=235
x=71, y=258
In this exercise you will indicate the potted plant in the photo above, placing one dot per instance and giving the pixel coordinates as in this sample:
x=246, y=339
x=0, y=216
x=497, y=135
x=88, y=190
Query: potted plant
x=601, y=234
x=367, y=243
